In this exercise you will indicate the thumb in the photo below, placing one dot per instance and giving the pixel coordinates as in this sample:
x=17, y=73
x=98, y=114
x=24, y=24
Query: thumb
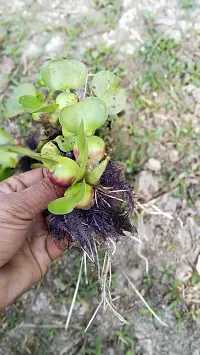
x=35, y=199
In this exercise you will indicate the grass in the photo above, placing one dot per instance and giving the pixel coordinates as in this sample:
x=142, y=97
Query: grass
x=188, y=4
x=125, y=341
x=162, y=68
x=110, y=9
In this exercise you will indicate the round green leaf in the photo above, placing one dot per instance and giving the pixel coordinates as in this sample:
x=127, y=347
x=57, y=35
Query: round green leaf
x=115, y=100
x=105, y=86
x=13, y=108
x=25, y=89
x=91, y=111
x=62, y=74
x=66, y=99
x=30, y=103
x=103, y=81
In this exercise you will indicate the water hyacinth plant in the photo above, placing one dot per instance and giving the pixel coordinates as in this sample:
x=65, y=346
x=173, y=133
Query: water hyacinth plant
x=98, y=204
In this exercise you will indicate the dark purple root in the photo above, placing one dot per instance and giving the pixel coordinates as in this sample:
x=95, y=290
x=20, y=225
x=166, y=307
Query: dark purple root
x=107, y=218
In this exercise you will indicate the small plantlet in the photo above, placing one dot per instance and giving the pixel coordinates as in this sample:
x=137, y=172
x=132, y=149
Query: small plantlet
x=98, y=204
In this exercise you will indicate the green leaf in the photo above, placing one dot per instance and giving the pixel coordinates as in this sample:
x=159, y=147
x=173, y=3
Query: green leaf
x=24, y=89
x=30, y=103
x=66, y=99
x=105, y=85
x=39, y=80
x=37, y=165
x=94, y=176
x=103, y=81
x=40, y=96
x=65, y=144
x=8, y=159
x=5, y=173
x=48, y=162
x=83, y=151
x=91, y=111
x=73, y=195
x=4, y=137
x=13, y=108
x=115, y=100
x=62, y=74
x=48, y=109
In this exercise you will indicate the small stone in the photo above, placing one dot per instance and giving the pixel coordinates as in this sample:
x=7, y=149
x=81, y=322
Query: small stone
x=183, y=272
x=196, y=95
x=59, y=285
x=174, y=156
x=197, y=26
x=146, y=185
x=153, y=164
x=31, y=51
x=197, y=111
x=6, y=68
x=168, y=21
x=197, y=204
x=198, y=265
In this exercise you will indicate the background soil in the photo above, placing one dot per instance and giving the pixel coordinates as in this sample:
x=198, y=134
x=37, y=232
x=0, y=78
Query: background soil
x=154, y=47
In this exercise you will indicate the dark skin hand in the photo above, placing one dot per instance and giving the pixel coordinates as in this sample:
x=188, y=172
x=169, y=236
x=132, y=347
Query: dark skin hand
x=26, y=248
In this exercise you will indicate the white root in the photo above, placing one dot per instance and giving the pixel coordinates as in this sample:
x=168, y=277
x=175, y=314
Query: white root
x=95, y=196
x=98, y=264
x=142, y=298
x=85, y=267
x=84, y=251
x=114, y=246
x=94, y=315
x=75, y=294
x=105, y=282
x=128, y=234
x=152, y=209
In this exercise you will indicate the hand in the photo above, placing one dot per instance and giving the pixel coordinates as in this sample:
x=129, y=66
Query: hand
x=26, y=249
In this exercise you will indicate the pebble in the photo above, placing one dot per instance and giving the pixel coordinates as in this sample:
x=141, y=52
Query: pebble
x=154, y=164
x=196, y=95
x=197, y=111
x=197, y=204
x=174, y=156
x=146, y=185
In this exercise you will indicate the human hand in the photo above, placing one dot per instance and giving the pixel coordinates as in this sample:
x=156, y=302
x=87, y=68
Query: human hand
x=26, y=248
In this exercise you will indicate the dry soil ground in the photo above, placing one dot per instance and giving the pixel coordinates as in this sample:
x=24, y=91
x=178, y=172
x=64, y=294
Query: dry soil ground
x=154, y=46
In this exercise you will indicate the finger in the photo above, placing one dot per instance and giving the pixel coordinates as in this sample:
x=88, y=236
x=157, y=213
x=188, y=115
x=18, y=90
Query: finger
x=22, y=181
x=43, y=247
x=18, y=275
x=27, y=268
x=35, y=199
